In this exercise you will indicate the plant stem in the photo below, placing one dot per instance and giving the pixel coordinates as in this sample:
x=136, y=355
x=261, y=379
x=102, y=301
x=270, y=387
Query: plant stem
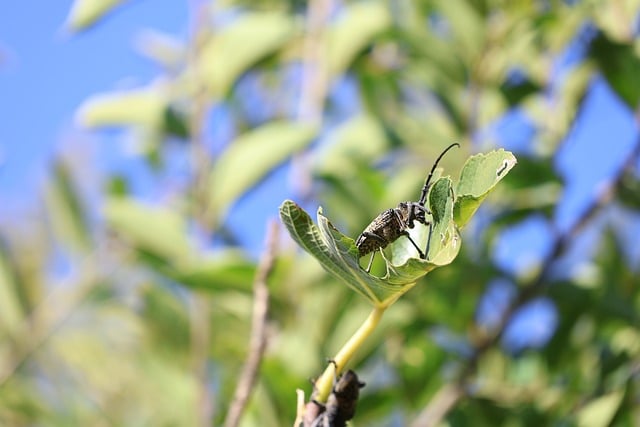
x=324, y=384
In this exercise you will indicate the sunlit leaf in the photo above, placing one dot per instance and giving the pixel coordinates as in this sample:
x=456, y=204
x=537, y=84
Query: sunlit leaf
x=85, y=13
x=354, y=31
x=163, y=48
x=230, y=53
x=154, y=230
x=142, y=107
x=167, y=318
x=250, y=157
x=467, y=25
x=616, y=20
x=599, y=412
x=479, y=176
x=346, y=145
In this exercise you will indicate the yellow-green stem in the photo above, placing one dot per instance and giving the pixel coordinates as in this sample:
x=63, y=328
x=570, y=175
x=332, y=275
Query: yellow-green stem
x=324, y=384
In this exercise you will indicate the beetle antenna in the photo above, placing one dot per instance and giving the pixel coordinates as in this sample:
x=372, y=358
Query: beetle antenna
x=425, y=189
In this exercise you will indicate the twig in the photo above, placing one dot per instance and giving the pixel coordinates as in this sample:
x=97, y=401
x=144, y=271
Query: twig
x=440, y=405
x=258, y=338
x=438, y=408
x=323, y=385
x=314, y=84
x=315, y=78
x=199, y=195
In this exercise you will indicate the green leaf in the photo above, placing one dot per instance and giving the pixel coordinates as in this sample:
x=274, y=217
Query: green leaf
x=167, y=50
x=468, y=27
x=65, y=209
x=514, y=93
x=156, y=231
x=142, y=107
x=479, y=176
x=445, y=239
x=252, y=156
x=599, y=412
x=85, y=13
x=11, y=312
x=355, y=30
x=227, y=269
x=338, y=253
x=620, y=64
x=347, y=147
x=629, y=191
x=228, y=54
x=175, y=123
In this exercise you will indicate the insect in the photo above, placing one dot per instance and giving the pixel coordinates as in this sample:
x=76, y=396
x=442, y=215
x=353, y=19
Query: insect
x=391, y=224
x=341, y=404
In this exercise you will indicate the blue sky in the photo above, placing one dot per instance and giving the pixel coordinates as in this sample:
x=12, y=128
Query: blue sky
x=46, y=73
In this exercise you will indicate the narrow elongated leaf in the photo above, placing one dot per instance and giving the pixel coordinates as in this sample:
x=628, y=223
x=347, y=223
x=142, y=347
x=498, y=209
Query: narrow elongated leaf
x=360, y=23
x=165, y=49
x=85, y=13
x=11, y=312
x=600, y=412
x=347, y=145
x=66, y=213
x=253, y=155
x=143, y=107
x=467, y=26
x=230, y=53
x=479, y=176
x=153, y=230
x=225, y=270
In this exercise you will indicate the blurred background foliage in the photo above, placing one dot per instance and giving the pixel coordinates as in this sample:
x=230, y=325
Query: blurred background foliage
x=345, y=105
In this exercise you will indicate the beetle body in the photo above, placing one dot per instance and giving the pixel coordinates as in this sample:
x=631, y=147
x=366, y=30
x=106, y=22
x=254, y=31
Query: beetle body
x=391, y=224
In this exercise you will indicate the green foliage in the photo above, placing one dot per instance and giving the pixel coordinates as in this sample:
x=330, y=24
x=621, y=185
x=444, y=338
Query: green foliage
x=117, y=309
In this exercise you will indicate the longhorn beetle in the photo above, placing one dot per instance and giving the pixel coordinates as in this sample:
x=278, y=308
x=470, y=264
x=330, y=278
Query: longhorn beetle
x=391, y=224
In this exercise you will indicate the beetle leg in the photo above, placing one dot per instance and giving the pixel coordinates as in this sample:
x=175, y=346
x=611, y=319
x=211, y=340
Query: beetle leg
x=379, y=239
x=423, y=209
x=426, y=250
x=406, y=233
x=373, y=236
x=373, y=254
